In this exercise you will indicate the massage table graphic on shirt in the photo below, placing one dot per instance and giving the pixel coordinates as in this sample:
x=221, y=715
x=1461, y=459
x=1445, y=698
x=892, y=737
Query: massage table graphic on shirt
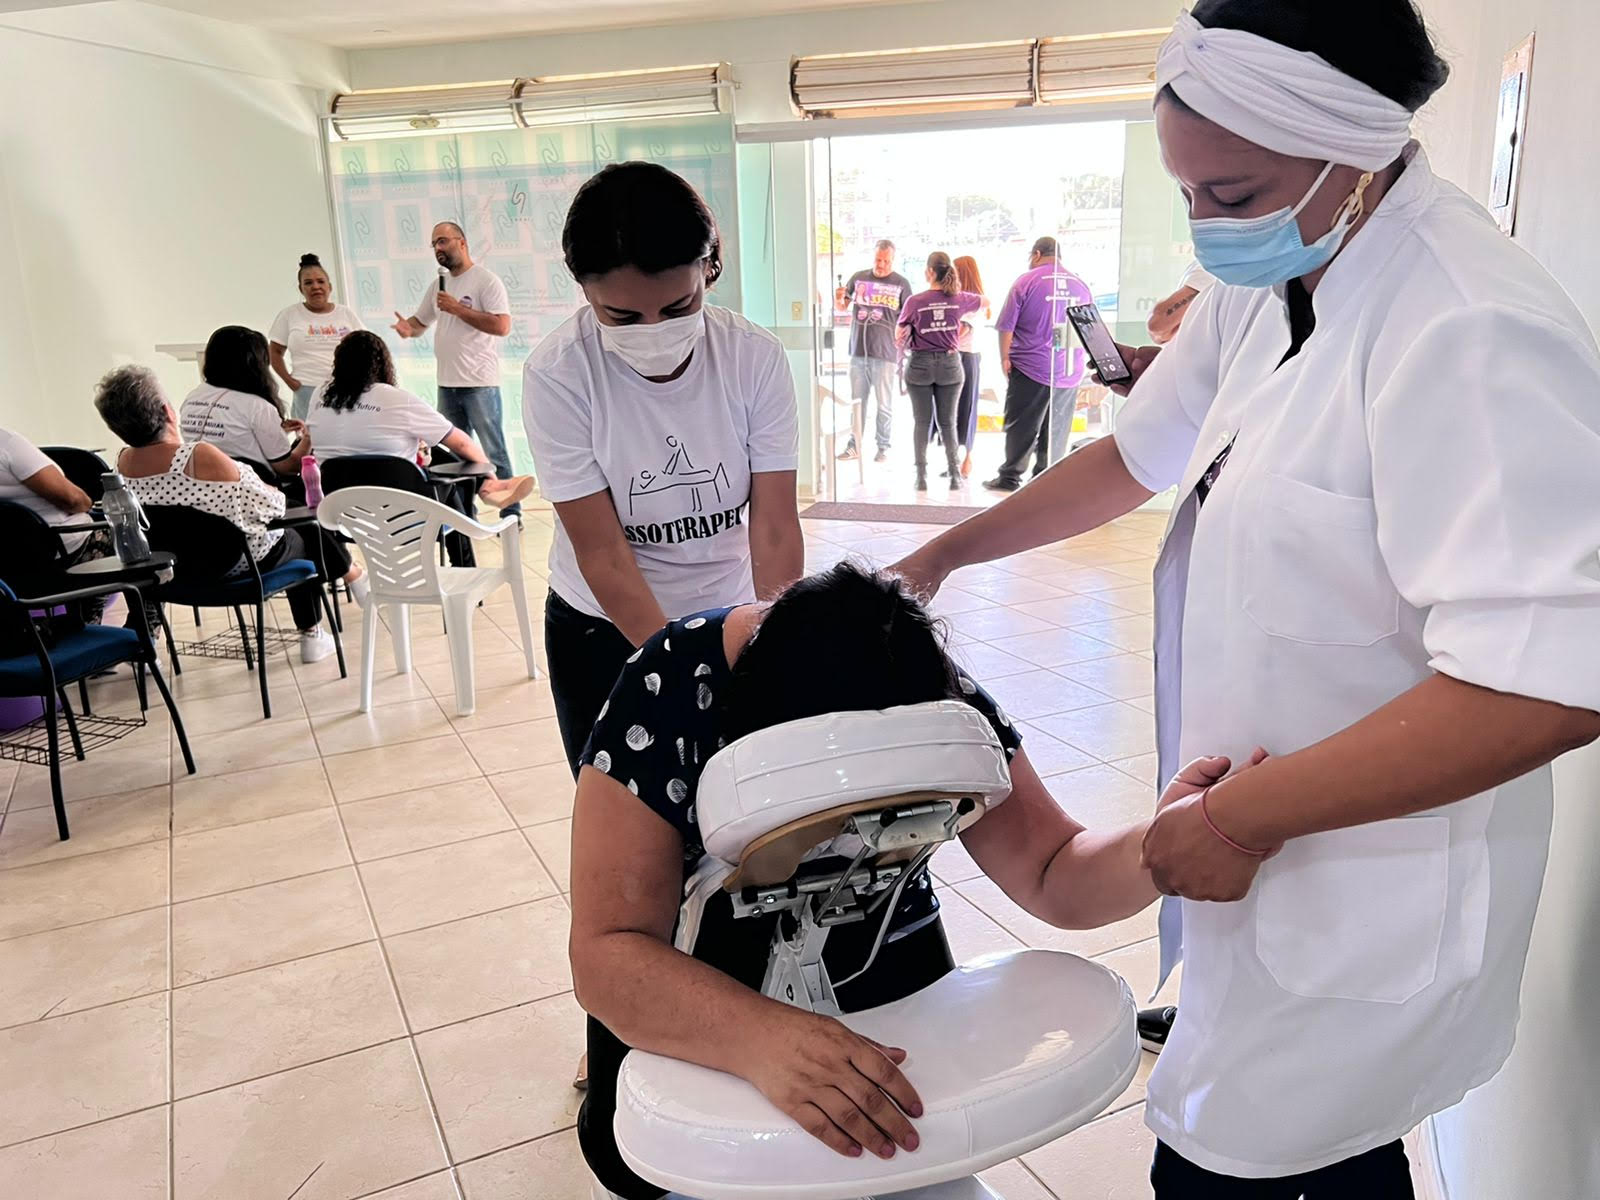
x=679, y=472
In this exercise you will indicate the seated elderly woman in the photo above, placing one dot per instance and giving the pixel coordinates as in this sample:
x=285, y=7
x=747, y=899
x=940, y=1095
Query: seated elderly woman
x=236, y=408
x=161, y=468
x=842, y=640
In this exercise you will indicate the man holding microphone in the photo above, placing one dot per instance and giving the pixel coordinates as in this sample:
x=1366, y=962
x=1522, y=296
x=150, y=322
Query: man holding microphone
x=472, y=309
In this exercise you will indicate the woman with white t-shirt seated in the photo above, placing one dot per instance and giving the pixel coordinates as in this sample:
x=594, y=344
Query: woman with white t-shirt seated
x=308, y=333
x=664, y=430
x=237, y=409
x=30, y=478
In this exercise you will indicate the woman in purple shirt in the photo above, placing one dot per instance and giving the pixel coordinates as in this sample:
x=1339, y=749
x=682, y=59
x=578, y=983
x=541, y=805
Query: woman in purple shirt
x=930, y=329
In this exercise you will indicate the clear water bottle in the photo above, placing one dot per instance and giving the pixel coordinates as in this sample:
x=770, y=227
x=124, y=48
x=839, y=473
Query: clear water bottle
x=311, y=476
x=126, y=519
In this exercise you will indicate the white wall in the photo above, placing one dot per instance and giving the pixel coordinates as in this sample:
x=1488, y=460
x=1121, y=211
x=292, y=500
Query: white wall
x=160, y=175
x=758, y=48
x=1534, y=1131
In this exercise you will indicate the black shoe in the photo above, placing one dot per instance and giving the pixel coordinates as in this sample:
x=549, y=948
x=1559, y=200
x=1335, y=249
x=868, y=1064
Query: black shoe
x=1001, y=485
x=1154, y=1026
x=922, y=480
x=955, y=483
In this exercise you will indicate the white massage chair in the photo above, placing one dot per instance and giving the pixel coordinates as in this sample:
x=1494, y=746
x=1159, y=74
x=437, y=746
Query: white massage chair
x=1007, y=1053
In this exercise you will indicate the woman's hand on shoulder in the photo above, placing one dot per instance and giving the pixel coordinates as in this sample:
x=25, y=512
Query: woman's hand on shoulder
x=843, y=1089
x=212, y=464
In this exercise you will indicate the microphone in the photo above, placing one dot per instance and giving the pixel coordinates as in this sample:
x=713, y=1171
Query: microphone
x=444, y=274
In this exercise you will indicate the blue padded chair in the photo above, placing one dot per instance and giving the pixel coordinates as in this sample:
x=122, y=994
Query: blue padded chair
x=207, y=548
x=45, y=670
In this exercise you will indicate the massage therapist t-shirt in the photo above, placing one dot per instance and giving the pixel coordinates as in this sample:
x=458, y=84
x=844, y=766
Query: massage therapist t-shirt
x=676, y=457
x=467, y=357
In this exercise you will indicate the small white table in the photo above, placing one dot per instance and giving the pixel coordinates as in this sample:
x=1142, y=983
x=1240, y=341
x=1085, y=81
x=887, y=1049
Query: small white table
x=194, y=352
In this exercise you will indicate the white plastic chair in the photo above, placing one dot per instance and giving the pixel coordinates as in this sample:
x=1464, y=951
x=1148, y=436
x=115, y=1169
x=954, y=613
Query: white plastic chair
x=397, y=532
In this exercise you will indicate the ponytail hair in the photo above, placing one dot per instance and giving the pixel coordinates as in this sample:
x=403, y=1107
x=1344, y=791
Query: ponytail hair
x=944, y=273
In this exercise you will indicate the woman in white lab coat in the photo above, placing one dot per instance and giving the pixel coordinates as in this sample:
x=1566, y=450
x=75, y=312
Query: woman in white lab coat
x=1384, y=427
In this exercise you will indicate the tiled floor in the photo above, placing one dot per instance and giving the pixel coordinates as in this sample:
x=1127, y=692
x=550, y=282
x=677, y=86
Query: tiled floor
x=333, y=963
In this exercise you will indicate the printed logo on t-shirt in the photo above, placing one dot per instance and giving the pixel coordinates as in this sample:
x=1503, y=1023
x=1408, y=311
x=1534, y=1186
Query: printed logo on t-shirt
x=333, y=331
x=876, y=301
x=679, y=484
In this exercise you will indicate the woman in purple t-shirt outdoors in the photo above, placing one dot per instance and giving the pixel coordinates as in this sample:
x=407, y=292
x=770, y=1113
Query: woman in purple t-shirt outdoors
x=930, y=329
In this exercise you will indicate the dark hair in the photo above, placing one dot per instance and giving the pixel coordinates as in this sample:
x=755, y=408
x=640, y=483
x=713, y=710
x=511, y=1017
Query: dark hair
x=844, y=639
x=944, y=273
x=1045, y=247
x=360, y=360
x=1383, y=43
x=307, y=261
x=236, y=359
x=638, y=214
x=460, y=232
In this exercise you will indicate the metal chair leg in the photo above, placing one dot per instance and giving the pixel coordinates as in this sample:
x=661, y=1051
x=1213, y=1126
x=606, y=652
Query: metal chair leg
x=197, y=616
x=172, y=708
x=72, y=724
x=83, y=697
x=244, y=636
x=55, y=764
x=261, y=656
x=172, y=645
x=138, y=686
x=333, y=624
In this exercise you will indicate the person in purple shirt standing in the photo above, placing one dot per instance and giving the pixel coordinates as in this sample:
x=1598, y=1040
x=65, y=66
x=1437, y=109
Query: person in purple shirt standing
x=930, y=329
x=1042, y=375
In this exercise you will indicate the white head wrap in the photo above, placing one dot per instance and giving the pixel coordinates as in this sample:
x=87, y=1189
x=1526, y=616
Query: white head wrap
x=1290, y=101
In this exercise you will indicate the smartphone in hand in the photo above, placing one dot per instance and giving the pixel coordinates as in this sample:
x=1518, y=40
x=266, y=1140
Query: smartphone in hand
x=1101, y=346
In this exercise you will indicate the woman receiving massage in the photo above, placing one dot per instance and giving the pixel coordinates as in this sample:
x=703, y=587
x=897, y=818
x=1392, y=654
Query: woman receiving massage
x=700, y=684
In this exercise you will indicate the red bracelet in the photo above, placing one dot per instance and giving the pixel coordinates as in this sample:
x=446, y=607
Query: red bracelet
x=1228, y=841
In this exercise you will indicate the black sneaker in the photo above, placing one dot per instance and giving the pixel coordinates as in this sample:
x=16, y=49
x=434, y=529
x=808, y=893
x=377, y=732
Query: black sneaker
x=1154, y=1026
x=1001, y=485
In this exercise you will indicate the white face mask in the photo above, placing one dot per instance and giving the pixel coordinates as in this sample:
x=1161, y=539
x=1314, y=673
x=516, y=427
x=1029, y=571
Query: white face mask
x=659, y=349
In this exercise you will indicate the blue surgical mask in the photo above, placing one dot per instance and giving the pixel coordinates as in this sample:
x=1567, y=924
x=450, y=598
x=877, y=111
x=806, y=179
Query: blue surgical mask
x=1260, y=252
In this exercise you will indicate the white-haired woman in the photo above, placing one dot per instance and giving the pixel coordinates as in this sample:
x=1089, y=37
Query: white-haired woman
x=1371, y=573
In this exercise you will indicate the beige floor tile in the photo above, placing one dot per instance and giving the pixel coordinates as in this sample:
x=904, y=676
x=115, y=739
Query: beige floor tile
x=1144, y=768
x=1136, y=632
x=1055, y=648
x=482, y=964
x=125, y=1158
x=1139, y=598
x=8, y=776
x=1041, y=693
x=1090, y=581
x=1140, y=965
x=430, y=887
x=242, y=710
x=504, y=1078
x=1050, y=755
x=74, y=890
x=240, y=856
x=1071, y=609
x=341, y=733
x=221, y=800
x=996, y=622
x=272, y=923
x=971, y=934
x=952, y=864
x=283, y=1016
x=129, y=765
x=1103, y=797
x=389, y=769
x=493, y=672
x=83, y=1067
x=1122, y=676
x=438, y=1186
x=1144, y=704
x=323, y=697
x=103, y=823
x=332, y=1130
x=512, y=747
x=406, y=821
x=985, y=662
x=537, y=794
x=986, y=895
x=1108, y=1159
x=284, y=739
x=552, y=842
x=1107, y=731
x=1015, y=1182
x=1112, y=554
x=429, y=644
x=203, y=680
x=551, y=1168
x=952, y=600
x=1013, y=591
x=499, y=706
x=65, y=970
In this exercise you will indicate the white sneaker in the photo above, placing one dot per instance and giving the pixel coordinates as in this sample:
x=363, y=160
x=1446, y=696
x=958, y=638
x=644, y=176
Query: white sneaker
x=359, y=590
x=315, y=646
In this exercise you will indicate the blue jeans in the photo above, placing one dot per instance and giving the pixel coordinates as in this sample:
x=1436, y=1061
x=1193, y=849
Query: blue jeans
x=302, y=402
x=477, y=410
x=875, y=377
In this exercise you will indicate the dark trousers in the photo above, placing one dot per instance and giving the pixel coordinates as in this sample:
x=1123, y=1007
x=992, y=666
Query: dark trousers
x=934, y=382
x=1381, y=1174
x=586, y=654
x=967, y=406
x=305, y=601
x=1027, y=426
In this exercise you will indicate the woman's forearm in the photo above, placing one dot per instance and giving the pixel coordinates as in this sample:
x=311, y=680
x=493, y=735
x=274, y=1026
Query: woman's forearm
x=1441, y=742
x=777, y=555
x=658, y=999
x=623, y=593
x=279, y=365
x=459, y=442
x=1081, y=492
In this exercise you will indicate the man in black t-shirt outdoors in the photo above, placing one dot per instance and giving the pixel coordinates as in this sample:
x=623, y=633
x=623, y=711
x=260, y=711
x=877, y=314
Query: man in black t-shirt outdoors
x=873, y=299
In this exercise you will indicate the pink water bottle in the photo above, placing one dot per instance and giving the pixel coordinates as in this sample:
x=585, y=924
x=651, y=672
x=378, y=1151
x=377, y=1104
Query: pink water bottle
x=311, y=476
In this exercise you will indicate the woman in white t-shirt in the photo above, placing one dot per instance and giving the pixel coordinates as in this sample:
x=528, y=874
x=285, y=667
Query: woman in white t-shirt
x=309, y=332
x=28, y=477
x=664, y=431
x=237, y=409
